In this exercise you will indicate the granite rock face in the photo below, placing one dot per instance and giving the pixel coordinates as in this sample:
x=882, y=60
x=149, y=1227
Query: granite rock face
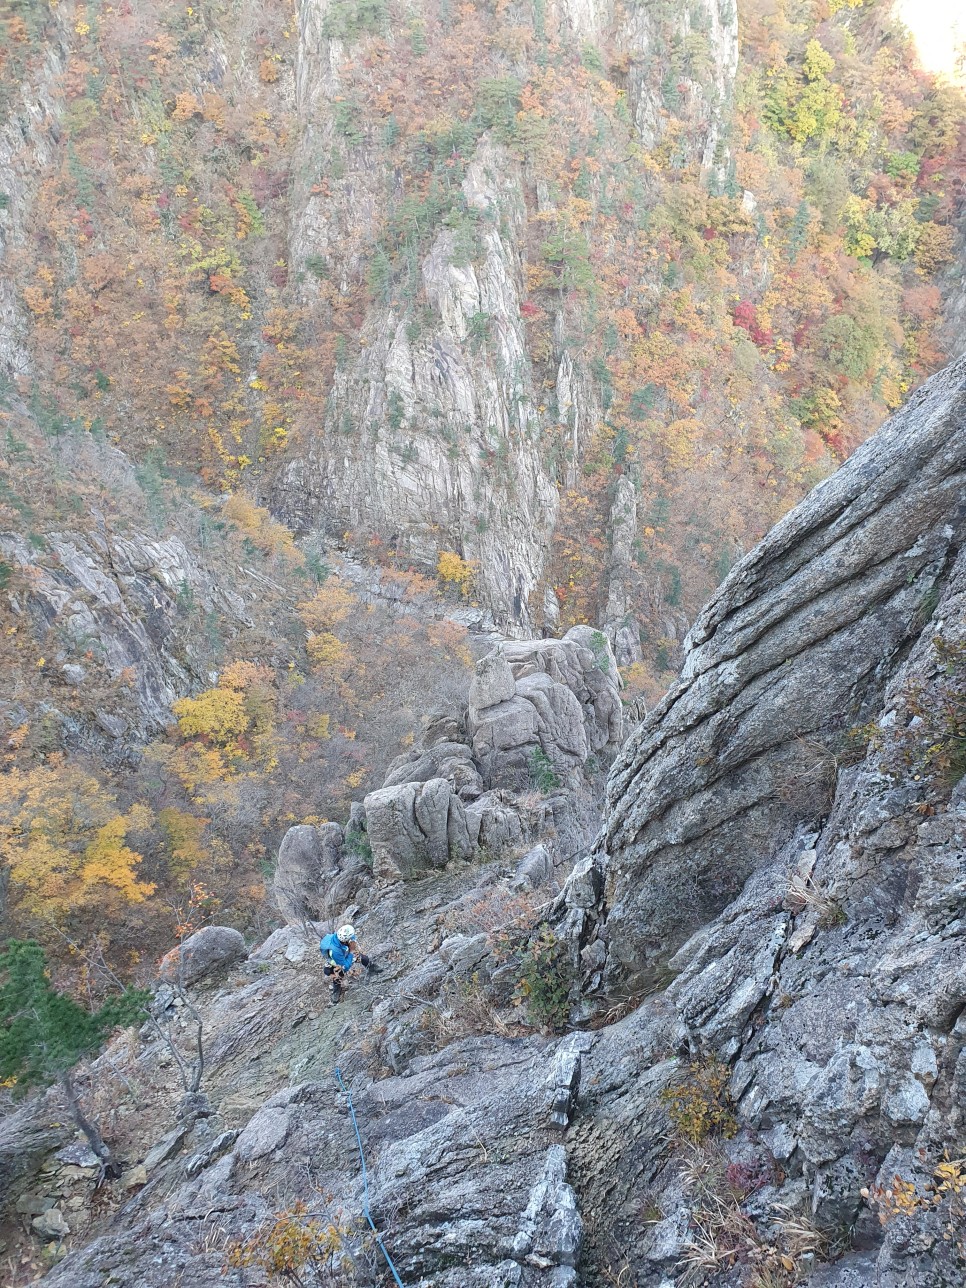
x=797, y=648
x=414, y=827
x=28, y=143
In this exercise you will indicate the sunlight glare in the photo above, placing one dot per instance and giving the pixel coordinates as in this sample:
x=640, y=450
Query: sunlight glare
x=939, y=30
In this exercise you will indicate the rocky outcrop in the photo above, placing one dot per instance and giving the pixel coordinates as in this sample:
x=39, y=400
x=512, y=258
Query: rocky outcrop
x=544, y=720
x=795, y=650
x=309, y=860
x=320, y=870
x=410, y=398
x=620, y=619
x=543, y=707
x=445, y=759
x=415, y=827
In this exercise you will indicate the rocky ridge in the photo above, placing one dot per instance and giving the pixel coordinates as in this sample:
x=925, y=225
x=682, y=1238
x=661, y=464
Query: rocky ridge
x=796, y=648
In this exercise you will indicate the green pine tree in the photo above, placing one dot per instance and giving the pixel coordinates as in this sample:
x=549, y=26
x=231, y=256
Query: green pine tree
x=43, y=1033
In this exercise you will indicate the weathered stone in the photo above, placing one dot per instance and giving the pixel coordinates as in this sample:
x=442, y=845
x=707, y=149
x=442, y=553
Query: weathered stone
x=907, y=1102
x=210, y=949
x=563, y=705
x=535, y=869
x=493, y=825
x=794, y=647
x=265, y=1134
x=492, y=684
x=449, y=760
x=50, y=1224
x=308, y=857
x=27, y=1136
x=34, y=1204
x=552, y=1230
x=220, y=1145
x=415, y=827
x=564, y=1083
x=78, y=1154
x=169, y=1145
x=292, y=943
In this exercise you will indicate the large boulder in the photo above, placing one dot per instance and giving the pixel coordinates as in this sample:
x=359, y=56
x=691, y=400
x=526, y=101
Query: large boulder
x=307, y=857
x=208, y=950
x=542, y=707
x=415, y=827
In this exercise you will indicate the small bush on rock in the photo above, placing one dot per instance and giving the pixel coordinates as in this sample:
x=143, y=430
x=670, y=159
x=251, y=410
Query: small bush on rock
x=700, y=1105
x=357, y=844
x=932, y=746
x=545, y=981
x=542, y=772
x=297, y=1247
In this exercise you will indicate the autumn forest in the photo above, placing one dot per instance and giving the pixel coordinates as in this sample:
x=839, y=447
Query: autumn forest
x=718, y=247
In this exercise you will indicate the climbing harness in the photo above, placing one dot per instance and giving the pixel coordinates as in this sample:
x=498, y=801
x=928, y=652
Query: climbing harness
x=365, y=1180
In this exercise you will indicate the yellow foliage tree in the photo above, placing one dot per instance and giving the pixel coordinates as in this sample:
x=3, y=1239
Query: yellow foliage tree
x=326, y=649
x=234, y=721
x=330, y=605
x=258, y=525
x=328, y=608
x=455, y=571
x=108, y=861
x=217, y=715
x=184, y=840
x=62, y=839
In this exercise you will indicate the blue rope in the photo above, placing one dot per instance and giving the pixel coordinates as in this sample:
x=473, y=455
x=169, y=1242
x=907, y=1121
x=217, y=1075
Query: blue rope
x=365, y=1181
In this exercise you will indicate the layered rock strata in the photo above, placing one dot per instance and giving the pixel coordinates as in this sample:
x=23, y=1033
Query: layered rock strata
x=794, y=651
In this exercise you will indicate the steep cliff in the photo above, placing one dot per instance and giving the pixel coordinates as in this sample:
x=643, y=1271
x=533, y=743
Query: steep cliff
x=586, y=294
x=437, y=428
x=792, y=654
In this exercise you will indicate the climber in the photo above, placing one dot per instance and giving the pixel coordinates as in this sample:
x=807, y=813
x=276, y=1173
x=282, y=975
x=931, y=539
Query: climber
x=339, y=952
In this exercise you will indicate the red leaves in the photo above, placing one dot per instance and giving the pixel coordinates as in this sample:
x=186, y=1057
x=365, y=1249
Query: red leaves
x=745, y=315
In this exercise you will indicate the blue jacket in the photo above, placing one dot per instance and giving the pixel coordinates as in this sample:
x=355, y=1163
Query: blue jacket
x=335, y=951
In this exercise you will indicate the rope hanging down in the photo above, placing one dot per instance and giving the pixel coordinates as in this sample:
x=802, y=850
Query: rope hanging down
x=365, y=1181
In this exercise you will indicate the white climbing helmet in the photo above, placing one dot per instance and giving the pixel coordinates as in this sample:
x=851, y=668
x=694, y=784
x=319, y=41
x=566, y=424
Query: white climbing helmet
x=346, y=934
